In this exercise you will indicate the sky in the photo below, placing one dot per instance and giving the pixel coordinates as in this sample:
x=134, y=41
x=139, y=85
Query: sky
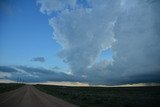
x=90, y=42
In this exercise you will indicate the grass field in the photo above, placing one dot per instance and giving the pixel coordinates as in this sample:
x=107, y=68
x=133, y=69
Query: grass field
x=106, y=97
x=4, y=87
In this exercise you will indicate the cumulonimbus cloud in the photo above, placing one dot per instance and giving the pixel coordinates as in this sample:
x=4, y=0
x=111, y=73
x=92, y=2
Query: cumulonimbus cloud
x=130, y=28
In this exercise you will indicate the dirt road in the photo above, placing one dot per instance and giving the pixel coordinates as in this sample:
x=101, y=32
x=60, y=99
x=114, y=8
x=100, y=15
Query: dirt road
x=29, y=96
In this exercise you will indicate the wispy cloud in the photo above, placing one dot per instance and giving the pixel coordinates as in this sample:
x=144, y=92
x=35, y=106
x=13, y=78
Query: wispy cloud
x=38, y=59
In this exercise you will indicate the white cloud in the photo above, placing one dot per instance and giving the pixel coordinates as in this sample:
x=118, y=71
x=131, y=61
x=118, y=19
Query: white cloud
x=85, y=34
x=49, y=6
x=130, y=28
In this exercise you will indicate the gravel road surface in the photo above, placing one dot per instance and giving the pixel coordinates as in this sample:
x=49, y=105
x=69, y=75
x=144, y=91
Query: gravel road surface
x=29, y=96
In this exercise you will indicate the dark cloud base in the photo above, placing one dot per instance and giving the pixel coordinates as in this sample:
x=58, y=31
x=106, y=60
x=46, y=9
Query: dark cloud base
x=32, y=74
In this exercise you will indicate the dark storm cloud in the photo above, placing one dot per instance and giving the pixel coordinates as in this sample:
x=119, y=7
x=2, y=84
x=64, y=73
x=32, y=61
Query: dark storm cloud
x=31, y=74
x=38, y=59
x=56, y=68
x=7, y=69
x=48, y=75
x=152, y=77
x=137, y=50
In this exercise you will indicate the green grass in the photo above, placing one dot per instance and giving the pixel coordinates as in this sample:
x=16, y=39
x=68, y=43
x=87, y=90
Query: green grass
x=106, y=97
x=4, y=87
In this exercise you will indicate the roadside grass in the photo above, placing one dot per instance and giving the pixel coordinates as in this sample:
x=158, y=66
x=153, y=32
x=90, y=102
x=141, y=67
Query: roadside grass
x=106, y=96
x=4, y=87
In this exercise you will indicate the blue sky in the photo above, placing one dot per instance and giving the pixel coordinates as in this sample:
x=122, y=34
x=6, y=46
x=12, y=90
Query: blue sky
x=116, y=41
x=25, y=34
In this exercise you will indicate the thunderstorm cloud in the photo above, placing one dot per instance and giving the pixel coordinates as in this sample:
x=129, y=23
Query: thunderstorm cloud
x=130, y=29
